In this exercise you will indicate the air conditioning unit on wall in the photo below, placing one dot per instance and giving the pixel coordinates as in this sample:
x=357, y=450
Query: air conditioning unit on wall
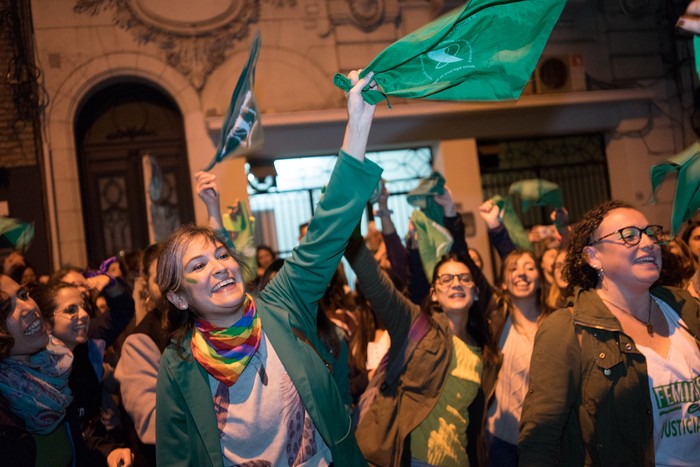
x=560, y=73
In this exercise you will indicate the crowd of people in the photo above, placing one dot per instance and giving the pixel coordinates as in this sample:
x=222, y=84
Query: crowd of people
x=583, y=351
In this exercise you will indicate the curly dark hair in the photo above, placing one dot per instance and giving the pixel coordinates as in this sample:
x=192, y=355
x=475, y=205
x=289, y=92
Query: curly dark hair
x=577, y=271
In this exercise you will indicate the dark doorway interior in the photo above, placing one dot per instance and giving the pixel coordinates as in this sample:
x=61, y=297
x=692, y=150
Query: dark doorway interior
x=117, y=129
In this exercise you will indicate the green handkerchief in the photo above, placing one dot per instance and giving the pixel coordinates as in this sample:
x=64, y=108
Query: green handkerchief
x=434, y=241
x=423, y=196
x=512, y=223
x=485, y=50
x=537, y=192
x=686, y=200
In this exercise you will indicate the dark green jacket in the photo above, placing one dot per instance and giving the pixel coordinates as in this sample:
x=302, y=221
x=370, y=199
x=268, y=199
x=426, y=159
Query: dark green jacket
x=186, y=428
x=397, y=410
x=589, y=401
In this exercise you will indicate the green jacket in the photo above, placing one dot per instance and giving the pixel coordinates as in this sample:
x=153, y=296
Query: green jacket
x=186, y=428
x=589, y=401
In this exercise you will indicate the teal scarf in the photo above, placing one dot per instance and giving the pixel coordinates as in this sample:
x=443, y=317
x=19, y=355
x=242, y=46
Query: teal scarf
x=38, y=390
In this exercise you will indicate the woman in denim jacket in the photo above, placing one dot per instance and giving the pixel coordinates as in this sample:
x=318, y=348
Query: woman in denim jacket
x=614, y=378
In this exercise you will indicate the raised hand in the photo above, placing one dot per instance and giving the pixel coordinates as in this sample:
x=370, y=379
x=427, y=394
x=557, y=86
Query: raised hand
x=491, y=214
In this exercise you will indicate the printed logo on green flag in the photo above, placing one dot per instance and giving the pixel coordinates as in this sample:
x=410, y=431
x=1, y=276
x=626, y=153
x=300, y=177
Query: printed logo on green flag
x=485, y=50
x=241, y=131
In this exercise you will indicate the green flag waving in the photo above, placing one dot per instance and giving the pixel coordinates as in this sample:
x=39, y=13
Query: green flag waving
x=241, y=131
x=240, y=227
x=434, y=241
x=423, y=196
x=512, y=223
x=537, y=192
x=686, y=200
x=16, y=233
x=485, y=50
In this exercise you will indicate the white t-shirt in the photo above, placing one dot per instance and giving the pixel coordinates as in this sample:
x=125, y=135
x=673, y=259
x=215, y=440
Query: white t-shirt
x=674, y=383
x=377, y=350
x=511, y=385
x=264, y=419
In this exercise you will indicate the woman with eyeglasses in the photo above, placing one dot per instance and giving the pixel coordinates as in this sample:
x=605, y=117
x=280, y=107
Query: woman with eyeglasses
x=63, y=308
x=416, y=409
x=615, y=379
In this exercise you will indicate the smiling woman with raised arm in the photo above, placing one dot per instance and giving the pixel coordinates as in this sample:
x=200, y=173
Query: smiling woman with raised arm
x=242, y=382
x=614, y=378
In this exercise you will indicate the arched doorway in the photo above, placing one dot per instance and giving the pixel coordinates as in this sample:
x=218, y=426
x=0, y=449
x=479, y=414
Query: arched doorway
x=119, y=128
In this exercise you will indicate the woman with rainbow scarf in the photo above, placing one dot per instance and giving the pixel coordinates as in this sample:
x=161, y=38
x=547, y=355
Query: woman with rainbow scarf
x=242, y=382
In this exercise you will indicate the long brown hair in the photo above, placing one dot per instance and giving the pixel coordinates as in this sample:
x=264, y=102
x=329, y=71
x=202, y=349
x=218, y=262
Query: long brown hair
x=503, y=299
x=170, y=275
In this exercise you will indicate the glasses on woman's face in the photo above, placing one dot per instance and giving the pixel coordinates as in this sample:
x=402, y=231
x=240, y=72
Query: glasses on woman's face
x=465, y=279
x=70, y=312
x=633, y=235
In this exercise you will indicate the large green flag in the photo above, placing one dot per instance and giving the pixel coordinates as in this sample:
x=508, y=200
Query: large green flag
x=686, y=200
x=485, y=50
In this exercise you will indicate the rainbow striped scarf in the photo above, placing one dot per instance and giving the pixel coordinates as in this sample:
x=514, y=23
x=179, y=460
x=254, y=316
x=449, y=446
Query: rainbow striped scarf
x=225, y=352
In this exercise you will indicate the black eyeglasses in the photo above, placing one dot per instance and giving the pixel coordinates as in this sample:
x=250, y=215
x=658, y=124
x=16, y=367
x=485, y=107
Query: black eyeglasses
x=464, y=279
x=71, y=311
x=633, y=235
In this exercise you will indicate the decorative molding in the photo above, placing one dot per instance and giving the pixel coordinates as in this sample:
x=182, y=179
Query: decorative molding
x=194, y=47
x=367, y=14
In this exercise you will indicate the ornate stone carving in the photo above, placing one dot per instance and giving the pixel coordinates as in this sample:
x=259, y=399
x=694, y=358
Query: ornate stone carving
x=196, y=37
x=368, y=14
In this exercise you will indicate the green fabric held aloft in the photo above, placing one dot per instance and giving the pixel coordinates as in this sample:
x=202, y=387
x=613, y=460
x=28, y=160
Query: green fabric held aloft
x=686, y=200
x=512, y=223
x=241, y=131
x=423, y=196
x=537, y=192
x=483, y=51
x=434, y=241
x=16, y=234
x=240, y=227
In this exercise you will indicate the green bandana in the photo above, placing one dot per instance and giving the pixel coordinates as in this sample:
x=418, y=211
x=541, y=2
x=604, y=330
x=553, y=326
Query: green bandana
x=485, y=50
x=241, y=131
x=434, y=241
x=686, y=200
x=512, y=223
x=536, y=192
x=423, y=196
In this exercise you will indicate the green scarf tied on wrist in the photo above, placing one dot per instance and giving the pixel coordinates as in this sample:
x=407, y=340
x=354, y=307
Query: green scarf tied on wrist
x=483, y=51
